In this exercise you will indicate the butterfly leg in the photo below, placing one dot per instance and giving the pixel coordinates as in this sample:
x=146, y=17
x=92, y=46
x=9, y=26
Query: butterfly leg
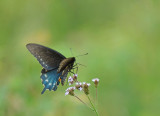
x=71, y=72
x=75, y=67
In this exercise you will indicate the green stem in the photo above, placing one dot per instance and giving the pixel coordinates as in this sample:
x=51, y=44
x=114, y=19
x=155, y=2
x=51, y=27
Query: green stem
x=96, y=96
x=83, y=102
x=96, y=101
x=93, y=106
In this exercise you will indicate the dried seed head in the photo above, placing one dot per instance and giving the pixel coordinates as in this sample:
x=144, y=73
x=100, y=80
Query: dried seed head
x=70, y=91
x=96, y=81
x=75, y=77
x=78, y=86
x=85, y=87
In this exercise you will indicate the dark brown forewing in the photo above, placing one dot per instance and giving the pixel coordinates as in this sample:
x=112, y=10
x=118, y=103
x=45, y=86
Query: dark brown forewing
x=48, y=58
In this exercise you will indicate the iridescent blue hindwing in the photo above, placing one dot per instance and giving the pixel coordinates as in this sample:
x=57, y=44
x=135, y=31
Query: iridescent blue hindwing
x=50, y=80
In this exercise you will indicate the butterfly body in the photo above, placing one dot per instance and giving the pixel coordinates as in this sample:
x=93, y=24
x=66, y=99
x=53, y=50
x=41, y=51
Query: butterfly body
x=55, y=65
x=66, y=62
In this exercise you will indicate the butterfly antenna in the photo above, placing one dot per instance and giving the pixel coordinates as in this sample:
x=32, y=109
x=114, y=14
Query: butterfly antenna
x=82, y=55
x=81, y=64
x=71, y=52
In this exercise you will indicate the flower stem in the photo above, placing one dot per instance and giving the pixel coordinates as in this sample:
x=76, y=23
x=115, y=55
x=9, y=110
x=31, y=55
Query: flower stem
x=94, y=109
x=96, y=95
x=83, y=102
x=96, y=101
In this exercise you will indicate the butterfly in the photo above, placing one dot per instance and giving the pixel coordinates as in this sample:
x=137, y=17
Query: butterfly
x=55, y=65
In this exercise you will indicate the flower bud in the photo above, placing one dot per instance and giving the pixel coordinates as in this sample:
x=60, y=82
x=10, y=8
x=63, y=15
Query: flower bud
x=75, y=77
x=85, y=87
x=96, y=81
x=70, y=91
x=79, y=86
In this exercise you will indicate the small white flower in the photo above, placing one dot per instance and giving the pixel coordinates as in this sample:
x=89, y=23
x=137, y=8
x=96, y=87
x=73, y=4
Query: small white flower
x=70, y=91
x=80, y=88
x=75, y=75
x=69, y=88
x=70, y=79
x=70, y=83
x=96, y=79
x=84, y=83
x=79, y=83
x=66, y=93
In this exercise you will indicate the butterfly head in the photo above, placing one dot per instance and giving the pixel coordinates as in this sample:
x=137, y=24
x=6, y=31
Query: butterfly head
x=66, y=63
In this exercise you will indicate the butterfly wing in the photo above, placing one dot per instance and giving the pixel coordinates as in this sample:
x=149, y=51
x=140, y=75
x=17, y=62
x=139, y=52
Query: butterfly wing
x=64, y=76
x=48, y=58
x=50, y=79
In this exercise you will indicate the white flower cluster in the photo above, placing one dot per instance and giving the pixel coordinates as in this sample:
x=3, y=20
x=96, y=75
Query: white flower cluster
x=70, y=80
x=69, y=89
x=79, y=84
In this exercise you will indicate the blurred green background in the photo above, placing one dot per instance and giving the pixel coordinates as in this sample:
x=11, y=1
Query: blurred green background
x=121, y=37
